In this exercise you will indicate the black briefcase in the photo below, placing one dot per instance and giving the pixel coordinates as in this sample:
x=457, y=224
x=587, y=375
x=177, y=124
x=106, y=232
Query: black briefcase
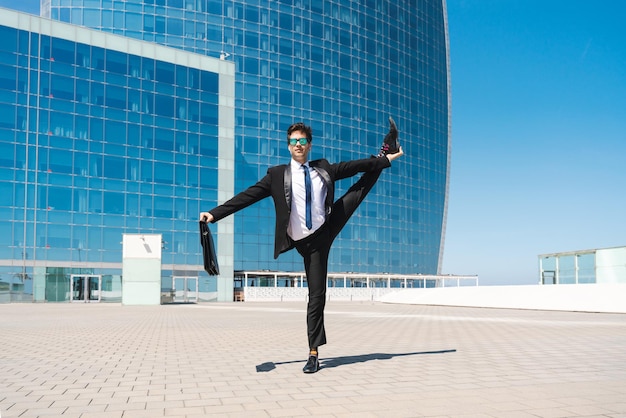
x=208, y=250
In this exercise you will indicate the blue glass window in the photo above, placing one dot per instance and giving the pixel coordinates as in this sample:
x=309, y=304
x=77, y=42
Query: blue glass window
x=164, y=139
x=7, y=116
x=63, y=51
x=164, y=105
x=209, y=82
x=165, y=72
x=8, y=77
x=114, y=167
x=9, y=39
x=113, y=203
x=59, y=198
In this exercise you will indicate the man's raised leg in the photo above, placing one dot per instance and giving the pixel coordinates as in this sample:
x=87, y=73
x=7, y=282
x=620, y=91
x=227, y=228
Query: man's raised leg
x=345, y=206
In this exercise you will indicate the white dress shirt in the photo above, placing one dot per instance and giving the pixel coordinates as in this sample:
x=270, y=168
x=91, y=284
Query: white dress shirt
x=297, y=229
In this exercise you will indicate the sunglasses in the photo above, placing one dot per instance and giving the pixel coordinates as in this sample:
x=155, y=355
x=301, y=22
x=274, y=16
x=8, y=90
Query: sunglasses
x=302, y=141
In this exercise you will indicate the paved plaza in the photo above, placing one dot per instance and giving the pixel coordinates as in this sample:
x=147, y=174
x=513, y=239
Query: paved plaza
x=246, y=359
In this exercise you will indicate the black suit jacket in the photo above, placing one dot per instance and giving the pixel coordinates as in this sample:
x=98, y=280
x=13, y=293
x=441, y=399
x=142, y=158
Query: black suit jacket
x=277, y=183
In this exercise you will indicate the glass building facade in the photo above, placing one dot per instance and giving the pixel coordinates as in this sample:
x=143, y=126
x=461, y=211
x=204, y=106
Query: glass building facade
x=342, y=67
x=599, y=265
x=101, y=136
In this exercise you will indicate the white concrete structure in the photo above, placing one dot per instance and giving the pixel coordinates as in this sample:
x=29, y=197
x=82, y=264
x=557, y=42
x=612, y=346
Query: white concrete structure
x=141, y=269
x=608, y=298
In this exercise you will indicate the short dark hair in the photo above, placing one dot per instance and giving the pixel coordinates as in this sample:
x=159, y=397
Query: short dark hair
x=299, y=126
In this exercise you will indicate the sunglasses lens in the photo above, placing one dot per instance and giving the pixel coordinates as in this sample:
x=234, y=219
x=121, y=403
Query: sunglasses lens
x=294, y=141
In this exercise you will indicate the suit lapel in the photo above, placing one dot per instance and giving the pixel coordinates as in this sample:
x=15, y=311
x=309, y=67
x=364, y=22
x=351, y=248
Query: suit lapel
x=330, y=187
x=287, y=185
x=323, y=173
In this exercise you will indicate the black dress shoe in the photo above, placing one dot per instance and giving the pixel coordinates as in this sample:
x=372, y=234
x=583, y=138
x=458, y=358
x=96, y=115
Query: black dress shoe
x=312, y=365
x=390, y=144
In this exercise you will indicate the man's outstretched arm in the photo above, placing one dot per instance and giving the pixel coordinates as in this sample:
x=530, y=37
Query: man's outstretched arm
x=240, y=201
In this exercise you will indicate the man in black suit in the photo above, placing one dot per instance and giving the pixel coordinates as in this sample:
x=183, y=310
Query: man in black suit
x=307, y=216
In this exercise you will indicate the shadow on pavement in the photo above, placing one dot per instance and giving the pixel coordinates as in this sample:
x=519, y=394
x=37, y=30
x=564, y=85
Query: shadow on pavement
x=328, y=363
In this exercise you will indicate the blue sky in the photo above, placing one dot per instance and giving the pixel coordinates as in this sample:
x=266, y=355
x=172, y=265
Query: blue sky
x=29, y=6
x=538, y=132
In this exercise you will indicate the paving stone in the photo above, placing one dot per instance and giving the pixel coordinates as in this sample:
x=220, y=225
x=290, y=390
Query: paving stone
x=246, y=359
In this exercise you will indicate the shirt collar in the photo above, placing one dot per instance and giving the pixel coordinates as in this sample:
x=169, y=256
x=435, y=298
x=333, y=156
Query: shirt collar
x=296, y=165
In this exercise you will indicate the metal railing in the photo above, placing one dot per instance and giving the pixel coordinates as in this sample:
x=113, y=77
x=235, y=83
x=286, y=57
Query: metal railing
x=292, y=286
x=245, y=279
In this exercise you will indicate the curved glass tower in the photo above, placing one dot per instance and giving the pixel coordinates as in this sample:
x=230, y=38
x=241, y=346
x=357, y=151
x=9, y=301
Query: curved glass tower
x=101, y=136
x=342, y=67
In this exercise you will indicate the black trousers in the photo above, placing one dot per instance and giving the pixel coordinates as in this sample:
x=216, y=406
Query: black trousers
x=316, y=248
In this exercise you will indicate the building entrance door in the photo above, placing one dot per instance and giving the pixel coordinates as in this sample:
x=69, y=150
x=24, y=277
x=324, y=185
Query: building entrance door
x=548, y=277
x=85, y=288
x=185, y=289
